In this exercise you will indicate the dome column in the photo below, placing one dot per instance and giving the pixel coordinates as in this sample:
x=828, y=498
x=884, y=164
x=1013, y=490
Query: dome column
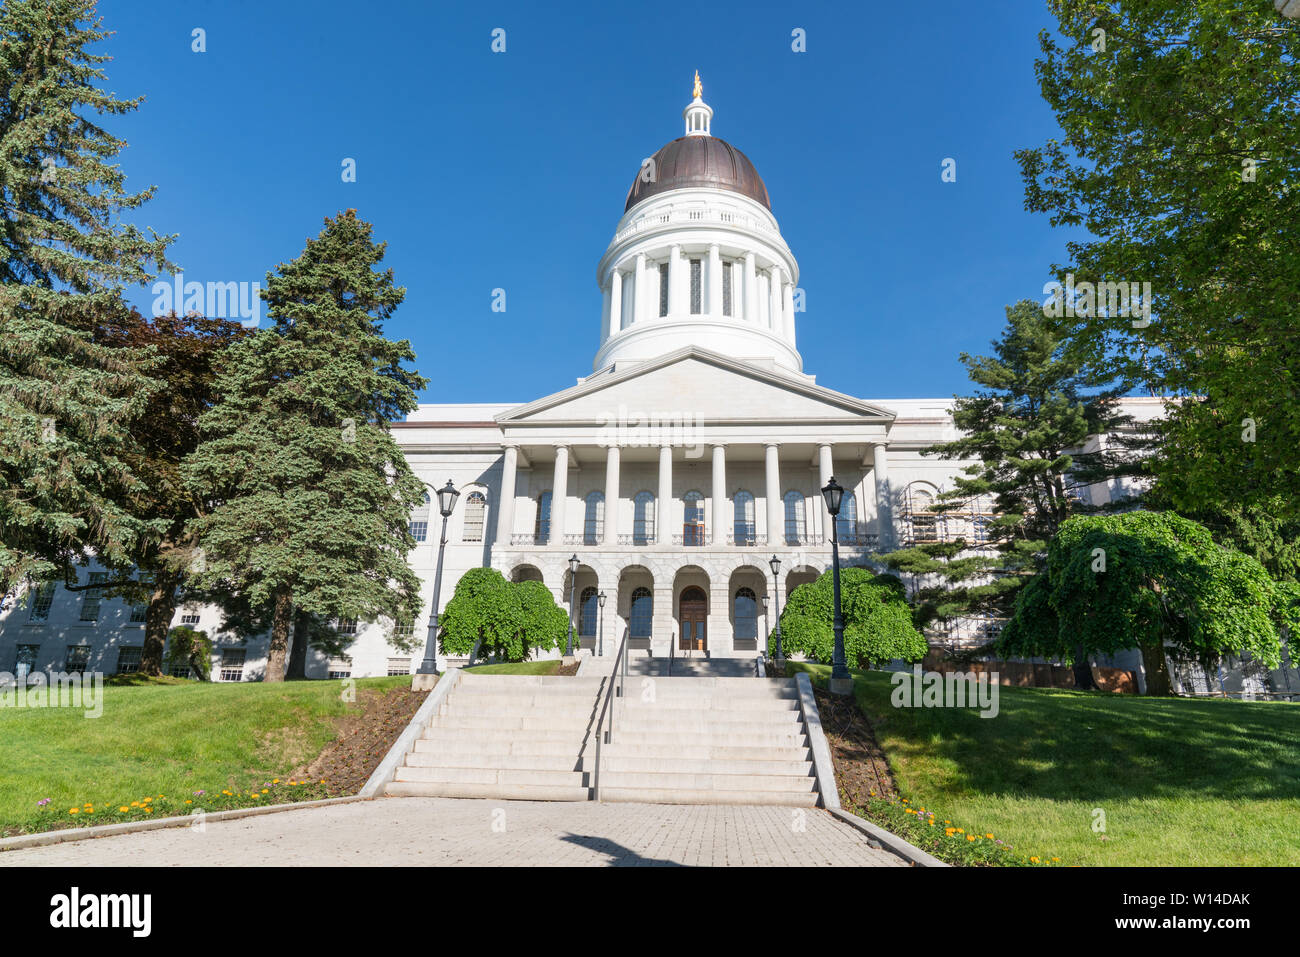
x=751, y=290
x=615, y=301
x=787, y=289
x=715, y=281
x=774, y=299
x=675, y=280
x=638, y=291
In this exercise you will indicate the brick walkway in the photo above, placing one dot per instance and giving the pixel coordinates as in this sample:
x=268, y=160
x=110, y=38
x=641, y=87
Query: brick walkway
x=444, y=831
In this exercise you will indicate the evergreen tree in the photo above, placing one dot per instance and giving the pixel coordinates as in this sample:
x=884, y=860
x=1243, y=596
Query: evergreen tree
x=307, y=494
x=66, y=399
x=1026, y=427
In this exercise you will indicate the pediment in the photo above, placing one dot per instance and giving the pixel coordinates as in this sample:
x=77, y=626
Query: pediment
x=703, y=385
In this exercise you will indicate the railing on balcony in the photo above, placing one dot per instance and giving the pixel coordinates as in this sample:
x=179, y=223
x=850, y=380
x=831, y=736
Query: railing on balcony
x=636, y=539
x=745, y=538
x=528, y=538
x=692, y=537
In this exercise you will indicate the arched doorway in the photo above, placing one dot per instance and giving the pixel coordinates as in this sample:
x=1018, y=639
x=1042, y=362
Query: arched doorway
x=693, y=615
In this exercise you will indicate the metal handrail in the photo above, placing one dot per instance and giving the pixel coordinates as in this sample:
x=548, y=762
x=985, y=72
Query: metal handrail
x=602, y=732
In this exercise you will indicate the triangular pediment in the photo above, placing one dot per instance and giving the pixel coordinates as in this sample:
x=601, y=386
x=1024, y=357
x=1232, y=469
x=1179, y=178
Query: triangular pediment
x=696, y=382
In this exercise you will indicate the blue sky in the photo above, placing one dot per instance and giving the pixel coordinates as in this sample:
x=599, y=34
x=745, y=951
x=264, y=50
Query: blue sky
x=486, y=170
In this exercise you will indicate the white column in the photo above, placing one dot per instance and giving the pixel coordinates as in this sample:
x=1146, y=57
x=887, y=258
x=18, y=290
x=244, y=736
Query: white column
x=604, y=313
x=788, y=310
x=506, y=506
x=715, y=282
x=774, y=298
x=611, y=496
x=884, y=497
x=615, y=301
x=751, y=290
x=638, y=291
x=559, y=494
x=825, y=469
x=775, y=514
x=718, y=495
x=662, y=530
x=675, y=280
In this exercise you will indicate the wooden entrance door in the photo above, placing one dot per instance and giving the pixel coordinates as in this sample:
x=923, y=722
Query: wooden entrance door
x=694, y=620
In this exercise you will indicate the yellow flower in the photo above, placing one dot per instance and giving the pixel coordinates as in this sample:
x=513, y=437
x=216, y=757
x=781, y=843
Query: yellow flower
x=1033, y=860
x=947, y=822
x=960, y=831
x=135, y=804
x=989, y=836
x=73, y=811
x=949, y=831
x=123, y=809
x=970, y=837
x=275, y=780
x=227, y=793
x=148, y=810
x=263, y=790
x=148, y=800
x=1056, y=858
x=189, y=802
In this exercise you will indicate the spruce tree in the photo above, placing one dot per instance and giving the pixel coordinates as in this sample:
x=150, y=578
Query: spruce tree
x=66, y=400
x=1026, y=426
x=307, y=494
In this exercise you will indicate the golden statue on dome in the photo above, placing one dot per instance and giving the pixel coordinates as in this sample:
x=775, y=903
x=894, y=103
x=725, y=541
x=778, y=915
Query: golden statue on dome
x=699, y=87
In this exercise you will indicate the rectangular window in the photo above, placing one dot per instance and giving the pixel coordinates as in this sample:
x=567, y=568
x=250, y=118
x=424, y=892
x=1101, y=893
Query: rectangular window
x=25, y=661
x=726, y=289
x=347, y=626
x=128, y=659
x=403, y=629
x=180, y=671
x=77, y=659
x=663, y=289
x=138, y=613
x=697, y=293
x=399, y=666
x=42, y=598
x=340, y=668
x=232, y=664
x=419, y=530
x=474, y=524
x=92, y=597
x=189, y=616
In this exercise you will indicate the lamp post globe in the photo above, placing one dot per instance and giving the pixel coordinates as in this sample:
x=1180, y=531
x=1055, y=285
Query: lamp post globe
x=841, y=682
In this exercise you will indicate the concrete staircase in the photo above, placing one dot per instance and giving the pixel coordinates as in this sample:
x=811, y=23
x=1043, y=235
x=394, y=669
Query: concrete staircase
x=707, y=740
x=675, y=740
x=505, y=736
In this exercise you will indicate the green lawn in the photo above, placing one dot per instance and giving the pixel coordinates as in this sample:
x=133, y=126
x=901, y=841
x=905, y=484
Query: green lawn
x=518, y=668
x=164, y=740
x=1181, y=781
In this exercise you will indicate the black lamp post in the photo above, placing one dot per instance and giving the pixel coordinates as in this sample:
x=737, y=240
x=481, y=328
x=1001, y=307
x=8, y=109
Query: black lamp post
x=573, y=586
x=447, y=496
x=841, y=682
x=600, y=600
x=775, y=565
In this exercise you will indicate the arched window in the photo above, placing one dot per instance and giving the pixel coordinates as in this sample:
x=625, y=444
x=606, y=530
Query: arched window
x=593, y=527
x=643, y=518
x=641, y=613
x=795, y=528
x=542, y=530
x=587, y=613
x=693, y=519
x=925, y=524
x=475, y=509
x=744, y=518
x=746, y=614
x=419, y=523
x=846, y=523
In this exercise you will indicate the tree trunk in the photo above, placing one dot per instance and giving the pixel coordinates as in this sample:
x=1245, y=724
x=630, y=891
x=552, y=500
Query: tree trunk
x=281, y=622
x=298, y=653
x=158, y=620
x=1157, y=670
x=1083, y=671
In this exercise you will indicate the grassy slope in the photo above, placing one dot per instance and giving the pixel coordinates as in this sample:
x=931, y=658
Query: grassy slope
x=1181, y=781
x=161, y=738
x=518, y=668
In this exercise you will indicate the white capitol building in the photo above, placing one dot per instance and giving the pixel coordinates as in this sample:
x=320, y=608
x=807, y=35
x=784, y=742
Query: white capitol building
x=693, y=452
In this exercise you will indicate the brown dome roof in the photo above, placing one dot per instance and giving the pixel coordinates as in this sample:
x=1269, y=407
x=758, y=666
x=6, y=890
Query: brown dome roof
x=700, y=161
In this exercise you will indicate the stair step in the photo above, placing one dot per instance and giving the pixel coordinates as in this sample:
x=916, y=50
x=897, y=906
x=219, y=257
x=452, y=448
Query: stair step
x=513, y=792
x=707, y=782
x=510, y=762
x=503, y=722
x=796, y=738
x=499, y=747
x=438, y=732
x=679, y=796
x=502, y=776
x=633, y=764
x=703, y=752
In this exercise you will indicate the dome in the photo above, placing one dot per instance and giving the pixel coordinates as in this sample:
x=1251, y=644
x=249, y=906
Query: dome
x=700, y=161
